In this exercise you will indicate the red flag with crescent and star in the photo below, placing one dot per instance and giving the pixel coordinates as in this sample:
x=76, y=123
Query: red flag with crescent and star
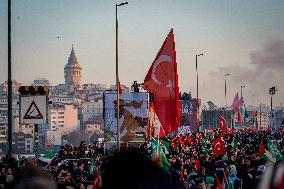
x=162, y=83
x=218, y=147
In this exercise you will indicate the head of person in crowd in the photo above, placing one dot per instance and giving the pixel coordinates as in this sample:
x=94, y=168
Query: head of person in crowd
x=200, y=183
x=232, y=170
x=247, y=161
x=132, y=170
x=34, y=178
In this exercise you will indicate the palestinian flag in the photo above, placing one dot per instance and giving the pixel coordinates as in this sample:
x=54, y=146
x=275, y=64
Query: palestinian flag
x=167, y=146
x=274, y=150
x=159, y=156
x=219, y=185
x=226, y=182
x=266, y=154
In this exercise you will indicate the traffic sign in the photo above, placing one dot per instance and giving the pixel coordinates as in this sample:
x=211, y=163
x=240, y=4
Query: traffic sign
x=33, y=109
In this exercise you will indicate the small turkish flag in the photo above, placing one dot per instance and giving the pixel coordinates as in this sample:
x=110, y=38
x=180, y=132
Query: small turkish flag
x=218, y=147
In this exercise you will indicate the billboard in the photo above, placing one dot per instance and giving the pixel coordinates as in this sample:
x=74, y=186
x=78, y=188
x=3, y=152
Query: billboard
x=133, y=117
x=188, y=116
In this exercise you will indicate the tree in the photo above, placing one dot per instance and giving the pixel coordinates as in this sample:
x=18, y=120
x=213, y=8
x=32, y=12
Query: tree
x=75, y=137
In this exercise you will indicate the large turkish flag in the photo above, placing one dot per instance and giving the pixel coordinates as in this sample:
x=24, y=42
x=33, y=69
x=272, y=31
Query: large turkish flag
x=162, y=83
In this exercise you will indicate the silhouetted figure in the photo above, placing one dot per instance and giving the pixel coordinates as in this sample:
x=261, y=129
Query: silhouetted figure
x=34, y=178
x=131, y=169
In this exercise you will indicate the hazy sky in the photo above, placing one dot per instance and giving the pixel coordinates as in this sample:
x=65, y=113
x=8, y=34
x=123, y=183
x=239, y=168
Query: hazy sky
x=240, y=37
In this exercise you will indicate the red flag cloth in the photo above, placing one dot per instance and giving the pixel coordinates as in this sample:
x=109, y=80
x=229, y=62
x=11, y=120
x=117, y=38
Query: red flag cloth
x=181, y=179
x=218, y=147
x=97, y=181
x=236, y=104
x=281, y=132
x=180, y=140
x=119, y=88
x=199, y=138
x=231, y=131
x=197, y=165
x=189, y=140
x=173, y=144
x=223, y=125
x=262, y=149
x=219, y=185
x=162, y=82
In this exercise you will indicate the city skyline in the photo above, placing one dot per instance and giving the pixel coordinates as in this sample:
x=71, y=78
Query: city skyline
x=241, y=38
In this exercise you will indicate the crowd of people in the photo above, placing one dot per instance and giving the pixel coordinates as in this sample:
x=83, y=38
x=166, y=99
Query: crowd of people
x=209, y=159
x=200, y=161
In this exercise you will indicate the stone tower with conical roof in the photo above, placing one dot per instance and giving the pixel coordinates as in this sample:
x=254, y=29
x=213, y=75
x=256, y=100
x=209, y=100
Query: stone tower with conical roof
x=72, y=71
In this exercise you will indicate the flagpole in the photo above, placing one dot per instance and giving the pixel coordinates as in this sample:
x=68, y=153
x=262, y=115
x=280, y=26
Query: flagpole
x=226, y=88
x=197, y=97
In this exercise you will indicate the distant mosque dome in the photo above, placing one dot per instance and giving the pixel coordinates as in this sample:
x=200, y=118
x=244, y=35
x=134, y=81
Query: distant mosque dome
x=72, y=71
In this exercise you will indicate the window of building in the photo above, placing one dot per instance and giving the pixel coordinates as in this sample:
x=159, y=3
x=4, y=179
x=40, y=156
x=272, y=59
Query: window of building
x=60, y=112
x=28, y=146
x=28, y=141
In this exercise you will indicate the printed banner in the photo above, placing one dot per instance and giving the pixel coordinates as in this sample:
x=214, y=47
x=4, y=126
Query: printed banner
x=188, y=116
x=133, y=117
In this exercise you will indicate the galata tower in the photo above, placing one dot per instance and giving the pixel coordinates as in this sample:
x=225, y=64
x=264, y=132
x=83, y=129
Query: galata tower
x=72, y=71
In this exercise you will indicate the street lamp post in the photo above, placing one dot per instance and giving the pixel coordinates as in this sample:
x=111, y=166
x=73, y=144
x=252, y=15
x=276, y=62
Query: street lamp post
x=197, y=74
x=197, y=97
x=243, y=86
x=10, y=118
x=226, y=88
x=117, y=78
x=272, y=92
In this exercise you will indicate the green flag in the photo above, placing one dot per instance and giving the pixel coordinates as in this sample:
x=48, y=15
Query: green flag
x=159, y=155
x=49, y=155
x=234, y=143
x=204, y=140
x=167, y=146
x=274, y=151
x=92, y=166
x=246, y=116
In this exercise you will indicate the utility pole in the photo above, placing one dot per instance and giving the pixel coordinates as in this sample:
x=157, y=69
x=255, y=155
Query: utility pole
x=117, y=78
x=10, y=116
x=36, y=139
x=272, y=92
